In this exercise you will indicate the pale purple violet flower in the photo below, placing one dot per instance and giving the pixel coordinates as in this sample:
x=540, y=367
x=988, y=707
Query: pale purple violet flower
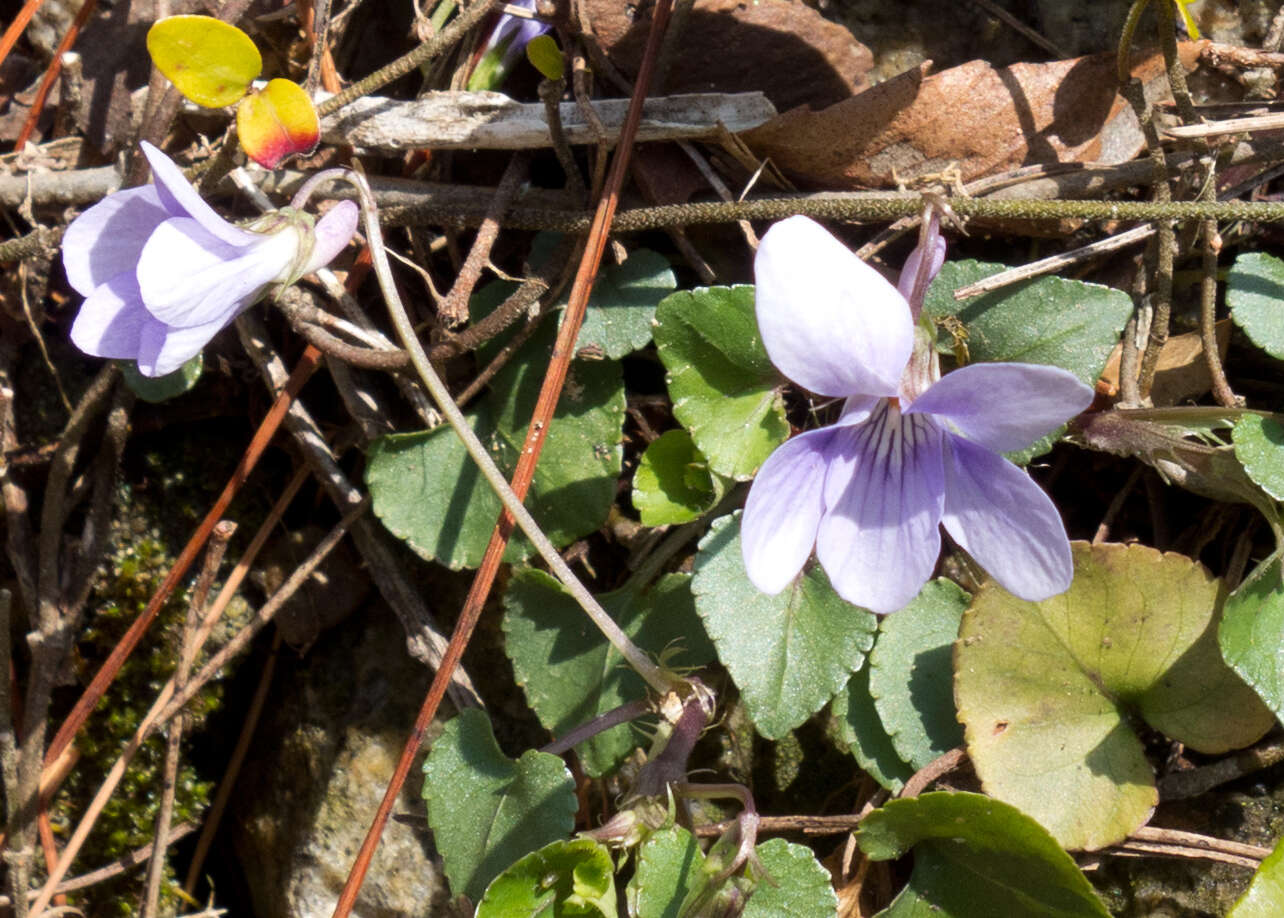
x=513, y=33
x=910, y=451
x=162, y=273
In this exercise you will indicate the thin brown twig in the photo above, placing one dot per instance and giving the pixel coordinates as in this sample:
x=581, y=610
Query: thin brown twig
x=224, y=793
x=114, y=869
x=51, y=74
x=454, y=308
x=1208, y=317
x=187, y=653
x=550, y=93
x=1024, y=30
x=545, y=404
x=1180, y=785
x=121, y=652
x=933, y=771
x=161, y=712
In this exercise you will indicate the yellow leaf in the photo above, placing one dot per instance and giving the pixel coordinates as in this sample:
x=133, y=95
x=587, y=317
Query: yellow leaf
x=210, y=62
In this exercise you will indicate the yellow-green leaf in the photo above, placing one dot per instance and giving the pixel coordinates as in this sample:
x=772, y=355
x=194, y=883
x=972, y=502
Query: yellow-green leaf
x=1048, y=692
x=277, y=122
x=208, y=61
x=545, y=56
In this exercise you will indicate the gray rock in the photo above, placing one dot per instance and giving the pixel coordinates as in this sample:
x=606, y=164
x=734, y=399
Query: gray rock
x=321, y=760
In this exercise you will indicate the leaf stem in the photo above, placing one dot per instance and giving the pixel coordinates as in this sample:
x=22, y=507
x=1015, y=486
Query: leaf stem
x=653, y=674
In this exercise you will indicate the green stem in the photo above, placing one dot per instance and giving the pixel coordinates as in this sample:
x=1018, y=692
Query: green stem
x=654, y=675
x=848, y=206
x=1123, y=61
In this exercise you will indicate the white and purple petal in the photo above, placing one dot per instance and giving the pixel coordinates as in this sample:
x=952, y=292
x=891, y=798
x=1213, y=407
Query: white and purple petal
x=333, y=232
x=110, y=236
x=879, y=538
x=1004, y=406
x=111, y=320
x=164, y=348
x=999, y=516
x=515, y=32
x=909, y=273
x=783, y=510
x=182, y=200
x=190, y=278
x=829, y=322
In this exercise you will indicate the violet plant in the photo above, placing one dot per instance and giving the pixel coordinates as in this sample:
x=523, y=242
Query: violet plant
x=911, y=450
x=162, y=273
x=508, y=40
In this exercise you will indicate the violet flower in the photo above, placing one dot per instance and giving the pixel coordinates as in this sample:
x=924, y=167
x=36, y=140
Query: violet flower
x=910, y=451
x=162, y=273
x=513, y=33
x=508, y=40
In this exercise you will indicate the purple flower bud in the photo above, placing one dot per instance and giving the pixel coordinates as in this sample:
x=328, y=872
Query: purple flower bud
x=162, y=273
x=870, y=491
x=513, y=33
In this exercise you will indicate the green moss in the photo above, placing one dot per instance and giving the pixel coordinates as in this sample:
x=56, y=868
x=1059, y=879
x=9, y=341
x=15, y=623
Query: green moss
x=126, y=583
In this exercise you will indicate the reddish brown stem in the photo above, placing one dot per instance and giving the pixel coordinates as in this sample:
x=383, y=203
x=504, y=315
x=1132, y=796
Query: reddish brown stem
x=554, y=379
x=107, y=672
x=17, y=27
x=55, y=68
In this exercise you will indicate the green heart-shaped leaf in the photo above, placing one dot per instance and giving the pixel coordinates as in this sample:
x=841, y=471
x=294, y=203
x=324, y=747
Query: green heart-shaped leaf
x=860, y=727
x=1046, y=690
x=911, y=673
x=723, y=386
x=789, y=653
x=621, y=309
x=569, y=671
x=487, y=810
x=673, y=483
x=1052, y=320
x=427, y=490
x=1264, y=897
x=1259, y=447
x=670, y=868
x=975, y=856
x=1252, y=632
x=1254, y=290
x=565, y=878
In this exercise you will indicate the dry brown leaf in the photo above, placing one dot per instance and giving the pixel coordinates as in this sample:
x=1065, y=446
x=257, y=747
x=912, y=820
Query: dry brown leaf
x=665, y=174
x=1181, y=373
x=975, y=117
x=782, y=48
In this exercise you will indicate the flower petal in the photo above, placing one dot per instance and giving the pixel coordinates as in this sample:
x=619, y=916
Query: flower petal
x=188, y=277
x=333, y=232
x=1003, y=519
x=108, y=237
x=1004, y=406
x=905, y=283
x=110, y=322
x=778, y=528
x=165, y=348
x=182, y=200
x=830, y=322
x=879, y=539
